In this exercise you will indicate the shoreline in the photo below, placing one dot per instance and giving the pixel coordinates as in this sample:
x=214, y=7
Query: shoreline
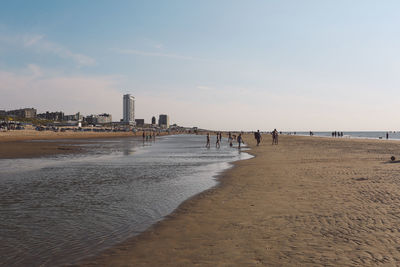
x=181, y=210
x=276, y=215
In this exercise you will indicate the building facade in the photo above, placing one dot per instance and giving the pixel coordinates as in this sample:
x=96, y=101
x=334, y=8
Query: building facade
x=128, y=109
x=28, y=113
x=163, y=121
x=99, y=119
x=139, y=122
x=74, y=117
x=52, y=116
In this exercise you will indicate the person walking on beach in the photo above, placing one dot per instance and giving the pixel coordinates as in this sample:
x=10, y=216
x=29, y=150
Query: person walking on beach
x=217, y=144
x=208, y=141
x=240, y=140
x=144, y=135
x=257, y=136
x=274, y=137
x=387, y=135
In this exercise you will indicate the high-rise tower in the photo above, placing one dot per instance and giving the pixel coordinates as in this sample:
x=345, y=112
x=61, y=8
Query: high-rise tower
x=163, y=121
x=129, y=109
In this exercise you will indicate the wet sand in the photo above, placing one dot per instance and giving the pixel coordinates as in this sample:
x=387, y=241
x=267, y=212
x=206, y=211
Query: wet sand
x=307, y=202
x=17, y=144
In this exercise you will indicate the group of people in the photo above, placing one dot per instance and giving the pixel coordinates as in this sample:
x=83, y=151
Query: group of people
x=149, y=136
x=337, y=134
x=231, y=137
x=274, y=134
x=239, y=139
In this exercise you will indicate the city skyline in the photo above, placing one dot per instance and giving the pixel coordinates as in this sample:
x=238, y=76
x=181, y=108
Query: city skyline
x=228, y=65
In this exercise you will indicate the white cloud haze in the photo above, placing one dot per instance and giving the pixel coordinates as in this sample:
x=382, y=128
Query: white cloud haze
x=39, y=44
x=47, y=91
x=205, y=106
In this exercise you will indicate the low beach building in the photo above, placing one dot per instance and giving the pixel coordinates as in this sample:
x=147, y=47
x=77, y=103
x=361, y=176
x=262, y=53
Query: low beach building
x=74, y=117
x=99, y=119
x=139, y=122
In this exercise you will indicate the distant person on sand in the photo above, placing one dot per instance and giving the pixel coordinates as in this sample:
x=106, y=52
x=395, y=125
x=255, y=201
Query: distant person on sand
x=208, y=141
x=240, y=140
x=274, y=137
x=230, y=139
x=257, y=136
x=387, y=135
x=144, y=135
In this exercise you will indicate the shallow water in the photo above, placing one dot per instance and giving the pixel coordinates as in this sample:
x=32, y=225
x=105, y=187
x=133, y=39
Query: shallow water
x=58, y=210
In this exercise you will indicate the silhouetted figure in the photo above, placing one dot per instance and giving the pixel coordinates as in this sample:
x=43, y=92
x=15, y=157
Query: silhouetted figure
x=257, y=136
x=240, y=140
x=208, y=141
x=387, y=135
x=274, y=137
x=217, y=144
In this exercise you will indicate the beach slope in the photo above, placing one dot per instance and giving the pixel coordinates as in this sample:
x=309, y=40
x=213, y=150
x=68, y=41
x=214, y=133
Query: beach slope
x=308, y=201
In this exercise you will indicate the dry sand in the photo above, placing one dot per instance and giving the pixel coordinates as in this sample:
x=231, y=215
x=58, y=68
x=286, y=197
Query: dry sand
x=307, y=202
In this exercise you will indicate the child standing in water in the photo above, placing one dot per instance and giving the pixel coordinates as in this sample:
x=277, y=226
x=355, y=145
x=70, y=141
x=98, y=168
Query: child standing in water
x=217, y=144
x=208, y=141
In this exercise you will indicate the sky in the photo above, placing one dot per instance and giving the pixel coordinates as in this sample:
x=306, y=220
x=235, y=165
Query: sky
x=222, y=65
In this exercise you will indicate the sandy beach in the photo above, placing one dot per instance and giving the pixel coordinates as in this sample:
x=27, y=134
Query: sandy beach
x=307, y=202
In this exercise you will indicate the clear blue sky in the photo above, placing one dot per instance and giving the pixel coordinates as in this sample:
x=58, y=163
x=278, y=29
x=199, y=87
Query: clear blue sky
x=243, y=65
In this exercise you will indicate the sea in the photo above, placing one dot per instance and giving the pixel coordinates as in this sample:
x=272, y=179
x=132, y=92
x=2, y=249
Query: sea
x=58, y=210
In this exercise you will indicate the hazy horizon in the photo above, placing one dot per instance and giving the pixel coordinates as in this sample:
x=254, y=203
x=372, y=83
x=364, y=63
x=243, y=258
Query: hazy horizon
x=225, y=65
